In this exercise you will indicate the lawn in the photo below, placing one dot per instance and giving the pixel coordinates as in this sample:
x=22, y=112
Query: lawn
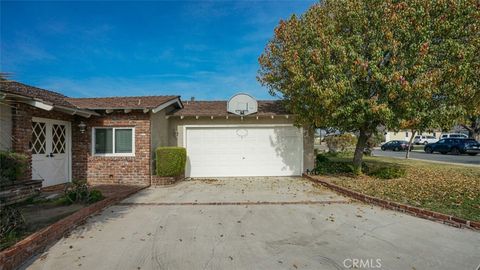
x=449, y=189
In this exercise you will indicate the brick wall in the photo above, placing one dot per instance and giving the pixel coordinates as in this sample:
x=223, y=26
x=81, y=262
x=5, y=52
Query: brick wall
x=114, y=170
x=96, y=169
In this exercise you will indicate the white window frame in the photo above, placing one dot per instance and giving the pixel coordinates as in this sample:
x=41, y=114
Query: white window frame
x=113, y=142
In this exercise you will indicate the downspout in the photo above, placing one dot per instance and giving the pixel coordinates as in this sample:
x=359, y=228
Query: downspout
x=150, y=152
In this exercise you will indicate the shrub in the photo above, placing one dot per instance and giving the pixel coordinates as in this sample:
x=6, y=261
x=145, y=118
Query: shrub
x=95, y=196
x=11, y=220
x=80, y=192
x=322, y=159
x=325, y=166
x=388, y=172
x=13, y=166
x=340, y=143
x=171, y=161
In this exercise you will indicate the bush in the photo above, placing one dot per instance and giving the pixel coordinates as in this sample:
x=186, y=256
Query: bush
x=388, y=172
x=80, y=192
x=13, y=167
x=95, y=196
x=171, y=161
x=340, y=143
x=11, y=220
x=325, y=166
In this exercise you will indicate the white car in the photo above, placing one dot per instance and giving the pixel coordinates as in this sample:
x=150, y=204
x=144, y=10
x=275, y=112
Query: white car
x=423, y=139
x=454, y=135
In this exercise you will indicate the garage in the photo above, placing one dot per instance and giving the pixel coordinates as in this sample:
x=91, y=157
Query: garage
x=243, y=150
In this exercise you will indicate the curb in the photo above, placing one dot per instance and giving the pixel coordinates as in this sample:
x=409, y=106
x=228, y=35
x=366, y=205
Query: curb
x=14, y=256
x=407, y=209
x=234, y=203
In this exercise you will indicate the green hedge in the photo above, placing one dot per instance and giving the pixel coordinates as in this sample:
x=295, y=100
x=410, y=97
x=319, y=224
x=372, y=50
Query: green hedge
x=325, y=165
x=171, y=161
x=13, y=167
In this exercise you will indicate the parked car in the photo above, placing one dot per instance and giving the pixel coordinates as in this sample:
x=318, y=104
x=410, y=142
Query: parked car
x=396, y=146
x=454, y=146
x=422, y=139
x=453, y=135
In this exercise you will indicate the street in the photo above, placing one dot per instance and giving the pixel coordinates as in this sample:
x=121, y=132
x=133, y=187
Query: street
x=419, y=154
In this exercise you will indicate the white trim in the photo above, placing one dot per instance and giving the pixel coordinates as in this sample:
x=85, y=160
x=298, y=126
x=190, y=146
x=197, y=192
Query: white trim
x=35, y=102
x=40, y=105
x=165, y=105
x=113, y=142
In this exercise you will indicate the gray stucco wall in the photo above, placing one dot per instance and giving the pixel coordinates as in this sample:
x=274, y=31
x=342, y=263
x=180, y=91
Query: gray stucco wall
x=175, y=130
x=5, y=127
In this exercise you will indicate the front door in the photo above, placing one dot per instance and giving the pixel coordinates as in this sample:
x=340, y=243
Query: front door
x=50, y=151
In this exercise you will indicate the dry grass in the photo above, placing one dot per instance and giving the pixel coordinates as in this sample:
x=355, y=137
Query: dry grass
x=449, y=189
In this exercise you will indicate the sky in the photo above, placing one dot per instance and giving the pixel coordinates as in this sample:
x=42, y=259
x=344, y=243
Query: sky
x=202, y=49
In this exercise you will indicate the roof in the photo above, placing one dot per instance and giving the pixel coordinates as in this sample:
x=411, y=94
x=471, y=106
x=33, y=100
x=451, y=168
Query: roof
x=21, y=89
x=141, y=102
x=219, y=108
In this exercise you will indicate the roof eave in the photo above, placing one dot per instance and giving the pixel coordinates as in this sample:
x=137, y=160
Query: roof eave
x=175, y=101
x=47, y=106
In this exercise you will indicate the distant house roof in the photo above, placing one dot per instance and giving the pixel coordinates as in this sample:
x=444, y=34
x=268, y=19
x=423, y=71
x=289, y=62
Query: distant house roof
x=142, y=102
x=53, y=98
x=219, y=108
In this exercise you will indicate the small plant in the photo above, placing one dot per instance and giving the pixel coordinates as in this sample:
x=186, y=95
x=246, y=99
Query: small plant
x=171, y=161
x=80, y=192
x=95, y=196
x=13, y=166
x=11, y=221
x=391, y=172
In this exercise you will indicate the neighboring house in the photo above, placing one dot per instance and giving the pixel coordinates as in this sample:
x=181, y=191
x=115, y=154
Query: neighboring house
x=406, y=134
x=113, y=140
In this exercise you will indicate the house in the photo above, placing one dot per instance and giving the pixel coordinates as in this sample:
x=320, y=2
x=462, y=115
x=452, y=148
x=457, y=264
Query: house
x=112, y=140
x=405, y=135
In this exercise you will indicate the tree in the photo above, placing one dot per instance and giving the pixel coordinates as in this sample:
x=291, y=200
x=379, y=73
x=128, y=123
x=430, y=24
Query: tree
x=472, y=124
x=356, y=64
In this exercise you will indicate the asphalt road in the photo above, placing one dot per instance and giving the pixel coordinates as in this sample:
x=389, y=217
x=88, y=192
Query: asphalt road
x=418, y=154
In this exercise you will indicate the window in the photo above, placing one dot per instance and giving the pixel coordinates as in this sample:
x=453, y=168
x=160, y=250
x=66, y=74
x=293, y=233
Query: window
x=113, y=141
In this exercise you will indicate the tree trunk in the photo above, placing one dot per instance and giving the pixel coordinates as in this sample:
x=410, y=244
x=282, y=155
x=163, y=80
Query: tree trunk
x=358, y=156
x=473, y=128
x=407, y=155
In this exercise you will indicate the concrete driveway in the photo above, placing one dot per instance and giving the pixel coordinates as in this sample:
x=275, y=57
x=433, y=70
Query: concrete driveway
x=257, y=223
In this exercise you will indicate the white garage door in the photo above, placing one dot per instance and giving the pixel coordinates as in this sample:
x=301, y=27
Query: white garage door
x=243, y=151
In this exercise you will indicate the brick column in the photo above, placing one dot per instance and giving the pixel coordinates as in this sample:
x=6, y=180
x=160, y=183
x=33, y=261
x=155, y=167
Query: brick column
x=22, y=134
